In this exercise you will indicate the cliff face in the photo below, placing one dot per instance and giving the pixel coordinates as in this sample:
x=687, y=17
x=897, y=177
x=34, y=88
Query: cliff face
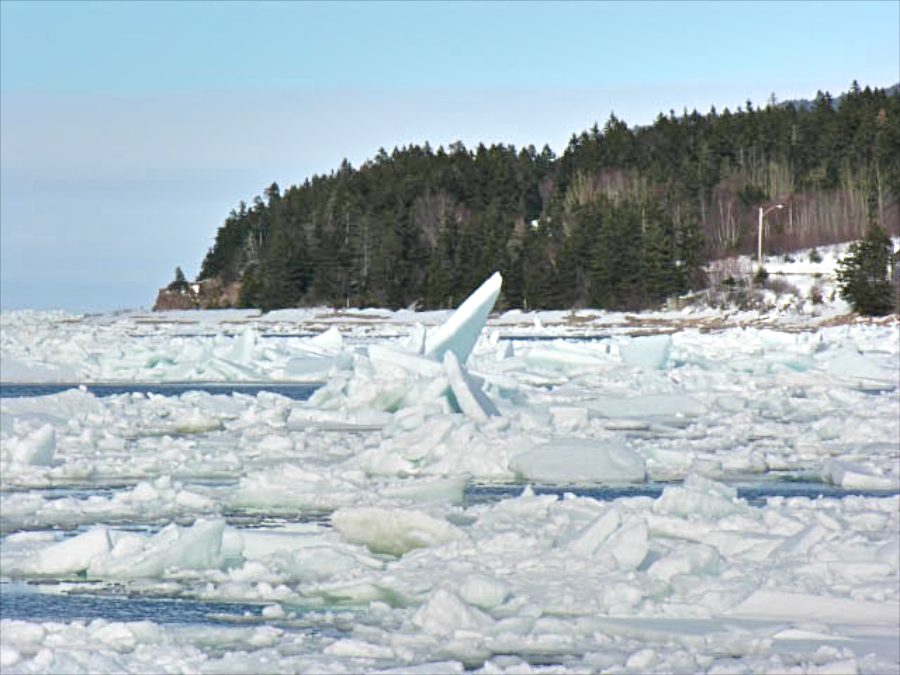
x=207, y=294
x=168, y=300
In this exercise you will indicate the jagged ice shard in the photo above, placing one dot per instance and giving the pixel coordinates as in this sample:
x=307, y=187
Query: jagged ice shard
x=460, y=333
x=427, y=368
x=453, y=342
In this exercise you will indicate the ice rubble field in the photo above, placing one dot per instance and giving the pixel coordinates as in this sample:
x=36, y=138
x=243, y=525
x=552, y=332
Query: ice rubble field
x=344, y=517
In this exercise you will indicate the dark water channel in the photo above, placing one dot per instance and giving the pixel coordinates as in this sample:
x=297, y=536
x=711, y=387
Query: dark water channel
x=296, y=391
x=755, y=493
x=25, y=602
x=20, y=601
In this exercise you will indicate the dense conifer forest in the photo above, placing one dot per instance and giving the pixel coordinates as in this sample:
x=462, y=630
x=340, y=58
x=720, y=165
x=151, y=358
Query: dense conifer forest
x=623, y=219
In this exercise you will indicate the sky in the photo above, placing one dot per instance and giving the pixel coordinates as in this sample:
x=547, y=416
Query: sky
x=129, y=130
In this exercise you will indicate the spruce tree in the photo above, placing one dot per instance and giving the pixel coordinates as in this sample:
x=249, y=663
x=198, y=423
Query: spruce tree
x=864, y=273
x=180, y=284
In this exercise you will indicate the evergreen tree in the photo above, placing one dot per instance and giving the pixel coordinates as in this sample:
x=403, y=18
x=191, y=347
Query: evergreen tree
x=660, y=273
x=537, y=272
x=443, y=285
x=180, y=284
x=864, y=273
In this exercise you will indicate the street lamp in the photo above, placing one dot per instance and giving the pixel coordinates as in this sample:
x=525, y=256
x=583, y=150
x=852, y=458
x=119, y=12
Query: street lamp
x=763, y=214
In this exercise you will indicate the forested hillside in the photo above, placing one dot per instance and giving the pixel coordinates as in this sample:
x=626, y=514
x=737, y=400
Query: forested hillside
x=624, y=218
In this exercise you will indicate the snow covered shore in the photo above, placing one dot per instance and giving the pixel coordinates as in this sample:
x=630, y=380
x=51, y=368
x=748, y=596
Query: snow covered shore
x=344, y=517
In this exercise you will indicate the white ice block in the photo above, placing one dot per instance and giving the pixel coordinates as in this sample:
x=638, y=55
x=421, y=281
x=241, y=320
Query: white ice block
x=629, y=545
x=445, y=613
x=38, y=449
x=187, y=548
x=576, y=460
x=303, y=367
x=646, y=405
x=73, y=555
x=651, y=351
x=331, y=340
x=483, y=592
x=394, y=531
x=242, y=351
x=852, y=475
x=591, y=538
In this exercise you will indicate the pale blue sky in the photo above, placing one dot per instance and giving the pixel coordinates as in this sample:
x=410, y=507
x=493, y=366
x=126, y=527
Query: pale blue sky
x=128, y=130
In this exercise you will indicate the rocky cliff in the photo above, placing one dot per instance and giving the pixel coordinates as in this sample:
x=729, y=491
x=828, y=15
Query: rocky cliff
x=206, y=294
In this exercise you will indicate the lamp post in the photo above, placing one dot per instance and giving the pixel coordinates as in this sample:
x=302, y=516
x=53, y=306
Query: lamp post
x=763, y=214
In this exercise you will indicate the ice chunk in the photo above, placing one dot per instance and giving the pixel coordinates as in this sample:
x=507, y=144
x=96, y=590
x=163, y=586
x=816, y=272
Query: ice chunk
x=698, y=497
x=38, y=449
x=415, y=343
x=9, y=656
x=303, y=367
x=565, y=358
x=359, y=649
x=641, y=661
x=116, y=636
x=274, y=612
x=414, y=445
x=693, y=559
x=73, y=555
x=647, y=405
x=889, y=554
x=460, y=333
x=568, y=418
x=783, y=605
x=13, y=370
x=483, y=592
x=445, y=613
x=408, y=361
x=850, y=475
x=362, y=419
x=468, y=393
x=196, y=422
x=393, y=531
x=449, y=490
x=293, y=487
x=629, y=545
x=576, y=460
x=594, y=535
x=430, y=668
x=848, y=362
x=194, y=548
x=331, y=340
x=802, y=541
x=242, y=352
x=651, y=352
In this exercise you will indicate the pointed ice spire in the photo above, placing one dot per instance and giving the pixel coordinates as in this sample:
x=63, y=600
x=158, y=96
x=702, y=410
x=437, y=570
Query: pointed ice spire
x=460, y=332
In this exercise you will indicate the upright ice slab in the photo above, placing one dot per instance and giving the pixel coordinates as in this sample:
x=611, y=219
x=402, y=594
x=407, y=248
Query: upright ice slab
x=467, y=390
x=460, y=333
